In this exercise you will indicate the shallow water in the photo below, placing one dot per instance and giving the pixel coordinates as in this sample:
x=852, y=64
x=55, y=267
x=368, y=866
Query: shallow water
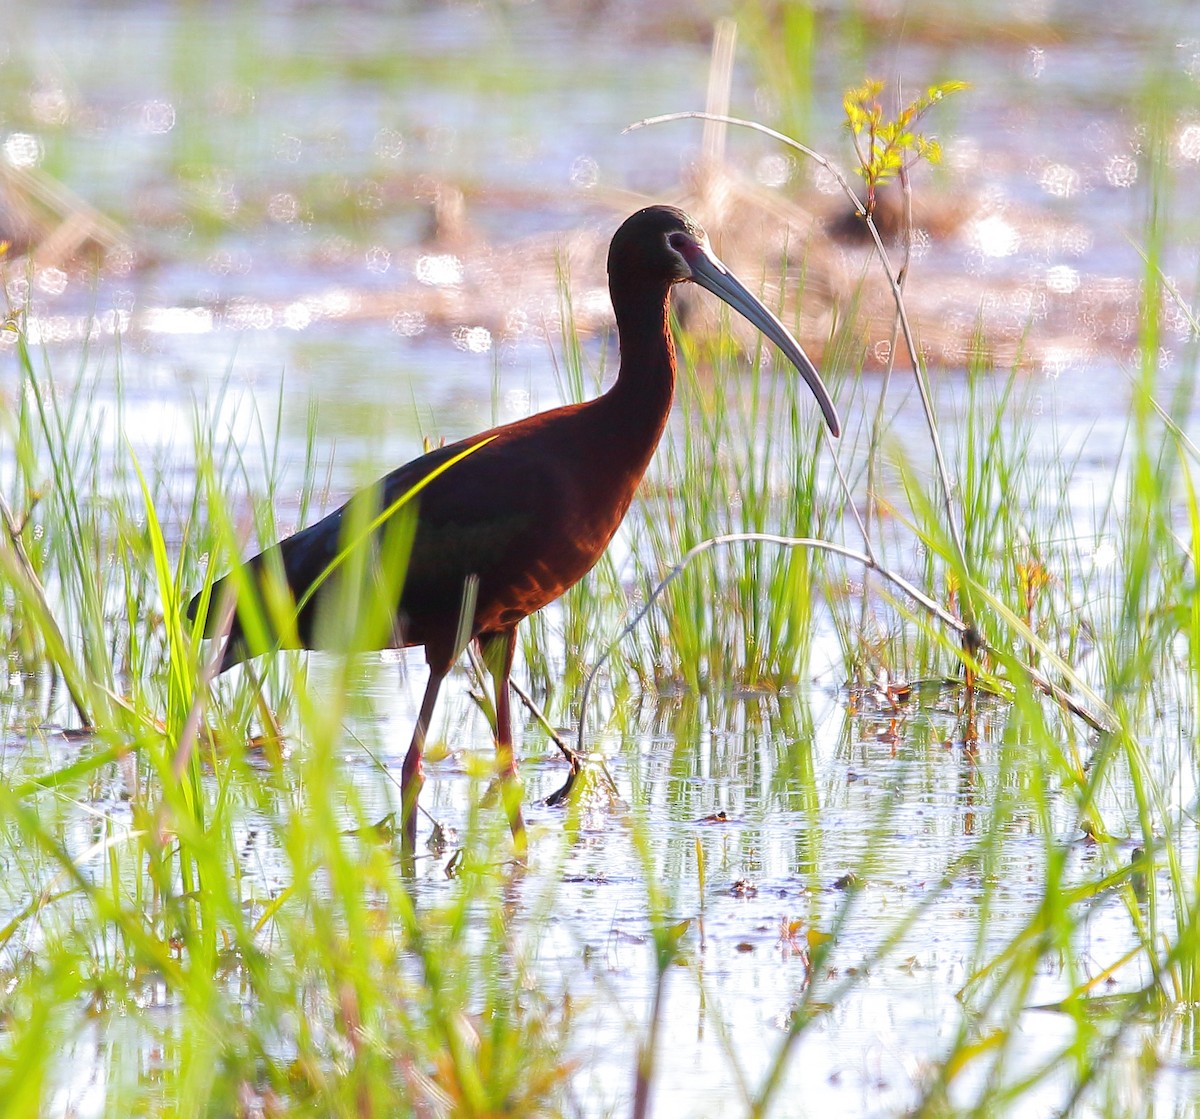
x=271, y=169
x=810, y=793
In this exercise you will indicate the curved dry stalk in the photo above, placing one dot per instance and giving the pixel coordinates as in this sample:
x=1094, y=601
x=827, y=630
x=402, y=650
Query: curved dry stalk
x=969, y=589
x=1100, y=723
x=895, y=282
x=876, y=440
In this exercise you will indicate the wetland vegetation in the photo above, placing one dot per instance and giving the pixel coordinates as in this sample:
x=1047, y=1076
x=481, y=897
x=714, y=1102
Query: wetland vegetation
x=809, y=871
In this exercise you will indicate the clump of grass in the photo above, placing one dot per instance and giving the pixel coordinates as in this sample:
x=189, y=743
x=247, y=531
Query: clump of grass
x=742, y=618
x=253, y=895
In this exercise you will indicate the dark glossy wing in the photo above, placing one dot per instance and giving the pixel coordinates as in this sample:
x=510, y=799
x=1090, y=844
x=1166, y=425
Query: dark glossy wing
x=490, y=515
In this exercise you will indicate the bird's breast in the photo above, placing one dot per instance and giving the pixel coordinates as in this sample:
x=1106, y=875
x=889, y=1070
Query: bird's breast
x=535, y=576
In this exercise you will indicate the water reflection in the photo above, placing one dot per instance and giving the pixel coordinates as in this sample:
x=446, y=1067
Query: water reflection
x=812, y=820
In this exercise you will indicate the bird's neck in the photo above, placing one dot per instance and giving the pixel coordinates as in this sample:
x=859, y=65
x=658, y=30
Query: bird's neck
x=628, y=420
x=645, y=383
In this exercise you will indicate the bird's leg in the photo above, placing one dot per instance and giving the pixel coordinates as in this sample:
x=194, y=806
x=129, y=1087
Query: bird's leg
x=412, y=775
x=498, y=649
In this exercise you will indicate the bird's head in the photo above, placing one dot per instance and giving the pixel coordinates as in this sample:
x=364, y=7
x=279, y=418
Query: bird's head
x=663, y=245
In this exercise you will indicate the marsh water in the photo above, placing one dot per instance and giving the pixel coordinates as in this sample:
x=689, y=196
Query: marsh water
x=278, y=174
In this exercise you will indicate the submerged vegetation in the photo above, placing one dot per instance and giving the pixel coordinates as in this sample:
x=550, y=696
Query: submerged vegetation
x=840, y=848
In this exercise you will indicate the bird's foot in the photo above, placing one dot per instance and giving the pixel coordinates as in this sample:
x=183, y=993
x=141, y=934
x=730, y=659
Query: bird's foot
x=576, y=762
x=560, y=796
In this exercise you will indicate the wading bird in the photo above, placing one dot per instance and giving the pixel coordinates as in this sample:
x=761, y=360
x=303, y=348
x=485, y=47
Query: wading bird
x=530, y=508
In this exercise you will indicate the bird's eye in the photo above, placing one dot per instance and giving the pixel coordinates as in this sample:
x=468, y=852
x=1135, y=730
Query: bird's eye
x=688, y=248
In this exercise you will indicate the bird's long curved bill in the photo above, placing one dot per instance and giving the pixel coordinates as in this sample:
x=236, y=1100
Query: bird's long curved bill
x=711, y=274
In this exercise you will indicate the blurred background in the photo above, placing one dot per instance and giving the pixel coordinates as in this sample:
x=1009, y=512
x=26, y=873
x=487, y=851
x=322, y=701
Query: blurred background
x=380, y=207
